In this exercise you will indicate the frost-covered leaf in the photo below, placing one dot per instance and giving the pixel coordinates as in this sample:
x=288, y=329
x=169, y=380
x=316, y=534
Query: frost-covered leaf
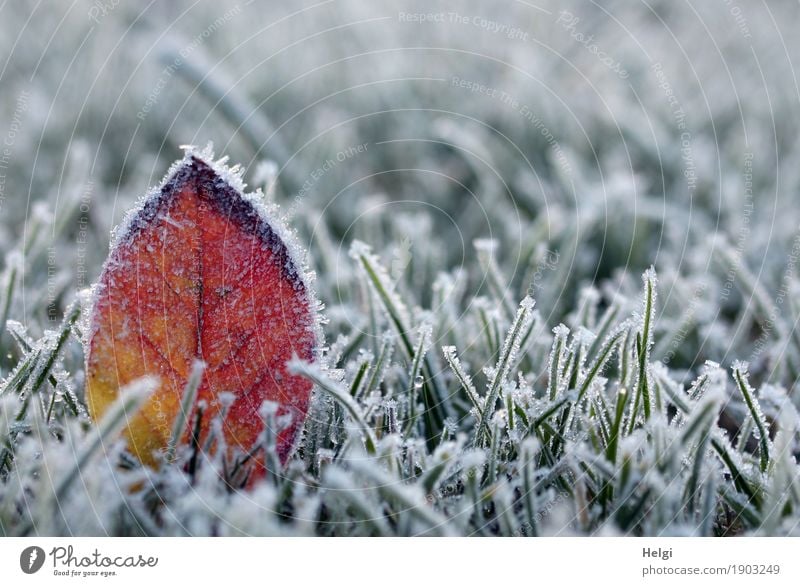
x=200, y=272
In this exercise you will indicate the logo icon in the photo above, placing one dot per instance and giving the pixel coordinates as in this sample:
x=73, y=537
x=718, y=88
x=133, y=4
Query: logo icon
x=31, y=559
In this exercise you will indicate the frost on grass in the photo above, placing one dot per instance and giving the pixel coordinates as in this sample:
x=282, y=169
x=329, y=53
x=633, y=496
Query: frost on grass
x=514, y=429
x=518, y=454
x=442, y=406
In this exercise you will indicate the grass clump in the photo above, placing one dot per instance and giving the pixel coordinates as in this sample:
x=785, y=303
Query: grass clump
x=561, y=434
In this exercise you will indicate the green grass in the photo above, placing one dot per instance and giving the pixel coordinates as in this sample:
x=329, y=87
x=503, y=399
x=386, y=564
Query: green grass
x=513, y=443
x=499, y=359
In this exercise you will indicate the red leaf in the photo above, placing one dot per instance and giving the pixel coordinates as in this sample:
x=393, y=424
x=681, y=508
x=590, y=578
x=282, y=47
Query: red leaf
x=198, y=272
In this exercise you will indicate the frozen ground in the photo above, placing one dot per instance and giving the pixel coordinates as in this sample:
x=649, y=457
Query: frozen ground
x=440, y=162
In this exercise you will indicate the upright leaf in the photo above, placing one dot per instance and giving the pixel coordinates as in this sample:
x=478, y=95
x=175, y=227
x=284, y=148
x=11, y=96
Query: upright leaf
x=199, y=272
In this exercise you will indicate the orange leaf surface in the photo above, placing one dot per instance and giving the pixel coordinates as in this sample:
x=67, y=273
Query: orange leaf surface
x=198, y=272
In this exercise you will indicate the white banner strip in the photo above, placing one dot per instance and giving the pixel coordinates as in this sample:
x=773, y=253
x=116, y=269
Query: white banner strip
x=406, y=562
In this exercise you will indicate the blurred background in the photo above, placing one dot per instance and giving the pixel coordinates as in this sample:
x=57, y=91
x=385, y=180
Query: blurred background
x=577, y=142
